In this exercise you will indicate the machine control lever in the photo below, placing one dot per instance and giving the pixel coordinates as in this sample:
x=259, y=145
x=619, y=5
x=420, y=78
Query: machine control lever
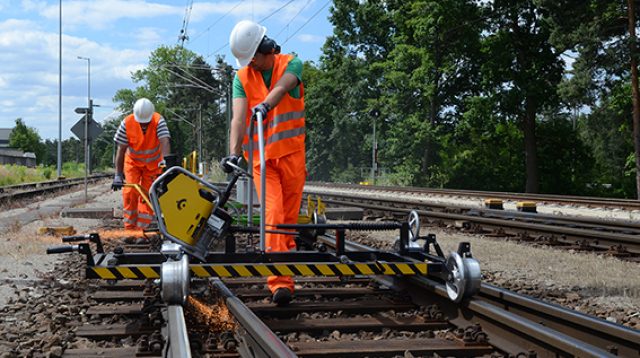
x=93, y=237
x=61, y=249
x=80, y=248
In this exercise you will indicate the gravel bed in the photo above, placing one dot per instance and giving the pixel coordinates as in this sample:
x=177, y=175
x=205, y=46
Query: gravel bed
x=601, y=286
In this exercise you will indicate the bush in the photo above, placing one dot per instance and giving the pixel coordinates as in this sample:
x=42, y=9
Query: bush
x=17, y=174
x=47, y=172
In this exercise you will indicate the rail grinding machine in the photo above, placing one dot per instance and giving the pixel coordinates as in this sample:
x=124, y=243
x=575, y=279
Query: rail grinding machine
x=191, y=216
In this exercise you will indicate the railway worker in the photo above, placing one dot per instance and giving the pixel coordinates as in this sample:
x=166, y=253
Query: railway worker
x=143, y=143
x=270, y=83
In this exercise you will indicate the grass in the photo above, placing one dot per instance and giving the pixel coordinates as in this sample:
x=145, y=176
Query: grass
x=17, y=174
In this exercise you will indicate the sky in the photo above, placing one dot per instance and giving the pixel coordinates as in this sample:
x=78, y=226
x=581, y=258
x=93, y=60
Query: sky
x=118, y=36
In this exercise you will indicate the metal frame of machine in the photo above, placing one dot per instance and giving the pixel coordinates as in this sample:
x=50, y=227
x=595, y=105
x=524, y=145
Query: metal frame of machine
x=191, y=215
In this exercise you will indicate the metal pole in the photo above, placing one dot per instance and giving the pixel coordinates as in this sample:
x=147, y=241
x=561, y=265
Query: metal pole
x=263, y=181
x=200, y=136
x=250, y=181
x=373, y=154
x=86, y=127
x=60, y=95
x=89, y=116
x=86, y=132
x=229, y=116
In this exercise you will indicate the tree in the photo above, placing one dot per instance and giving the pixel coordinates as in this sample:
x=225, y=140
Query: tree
x=427, y=77
x=600, y=88
x=522, y=70
x=183, y=88
x=27, y=139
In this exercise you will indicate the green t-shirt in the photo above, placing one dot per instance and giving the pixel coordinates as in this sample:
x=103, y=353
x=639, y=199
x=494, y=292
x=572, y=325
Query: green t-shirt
x=294, y=67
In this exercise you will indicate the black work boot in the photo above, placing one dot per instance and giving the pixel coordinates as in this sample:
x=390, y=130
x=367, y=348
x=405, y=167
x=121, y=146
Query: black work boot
x=282, y=296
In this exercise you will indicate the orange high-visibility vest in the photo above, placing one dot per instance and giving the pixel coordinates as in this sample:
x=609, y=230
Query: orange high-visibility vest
x=144, y=149
x=284, y=130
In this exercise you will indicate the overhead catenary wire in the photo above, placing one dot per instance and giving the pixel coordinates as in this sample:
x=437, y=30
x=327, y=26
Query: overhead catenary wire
x=185, y=23
x=195, y=81
x=216, y=22
x=306, y=22
x=262, y=20
x=293, y=18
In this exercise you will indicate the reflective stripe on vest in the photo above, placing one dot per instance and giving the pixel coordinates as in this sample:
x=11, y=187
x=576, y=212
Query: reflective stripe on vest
x=145, y=152
x=277, y=136
x=281, y=118
x=284, y=127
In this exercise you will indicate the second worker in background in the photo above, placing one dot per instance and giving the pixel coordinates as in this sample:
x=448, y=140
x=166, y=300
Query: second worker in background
x=270, y=83
x=143, y=143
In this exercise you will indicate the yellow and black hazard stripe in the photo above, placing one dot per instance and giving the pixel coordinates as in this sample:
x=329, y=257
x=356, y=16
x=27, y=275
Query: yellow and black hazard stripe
x=252, y=270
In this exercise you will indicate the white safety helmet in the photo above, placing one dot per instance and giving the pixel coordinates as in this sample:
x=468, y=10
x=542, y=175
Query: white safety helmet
x=143, y=110
x=245, y=39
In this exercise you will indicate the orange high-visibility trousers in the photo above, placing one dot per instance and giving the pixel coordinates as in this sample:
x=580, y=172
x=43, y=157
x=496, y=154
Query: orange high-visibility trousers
x=137, y=214
x=284, y=185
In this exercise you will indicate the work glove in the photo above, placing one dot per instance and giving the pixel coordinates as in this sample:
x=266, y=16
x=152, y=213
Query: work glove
x=262, y=108
x=162, y=163
x=118, y=182
x=233, y=159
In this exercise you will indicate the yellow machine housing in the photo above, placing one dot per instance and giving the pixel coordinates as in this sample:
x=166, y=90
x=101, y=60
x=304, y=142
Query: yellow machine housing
x=184, y=210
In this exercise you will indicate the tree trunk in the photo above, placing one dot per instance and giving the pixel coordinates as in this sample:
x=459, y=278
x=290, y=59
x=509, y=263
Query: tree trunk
x=530, y=147
x=635, y=92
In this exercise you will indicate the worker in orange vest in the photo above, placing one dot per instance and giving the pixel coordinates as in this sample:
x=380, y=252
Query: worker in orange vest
x=143, y=142
x=270, y=83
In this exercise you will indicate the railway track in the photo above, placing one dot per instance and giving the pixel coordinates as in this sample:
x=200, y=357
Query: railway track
x=354, y=316
x=618, y=238
x=16, y=192
x=592, y=202
x=330, y=317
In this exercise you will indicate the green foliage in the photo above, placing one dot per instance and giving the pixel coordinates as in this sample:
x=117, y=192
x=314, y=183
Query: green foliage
x=26, y=139
x=566, y=164
x=473, y=95
x=609, y=134
x=18, y=174
x=485, y=152
x=189, y=93
x=46, y=172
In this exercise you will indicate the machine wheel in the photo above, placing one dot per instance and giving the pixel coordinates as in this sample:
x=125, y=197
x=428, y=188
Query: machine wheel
x=414, y=225
x=319, y=220
x=464, y=276
x=175, y=281
x=316, y=219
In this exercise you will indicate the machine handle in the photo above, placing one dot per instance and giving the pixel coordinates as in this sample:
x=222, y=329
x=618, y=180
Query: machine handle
x=61, y=249
x=75, y=238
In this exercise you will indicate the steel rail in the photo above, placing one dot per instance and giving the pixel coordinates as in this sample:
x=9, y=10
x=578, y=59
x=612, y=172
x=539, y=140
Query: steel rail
x=564, y=199
x=178, y=345
x=24, y=186
x=516, y=323
x=31, y=190
x=601, y=240
x=621, y=225
x=259, y=340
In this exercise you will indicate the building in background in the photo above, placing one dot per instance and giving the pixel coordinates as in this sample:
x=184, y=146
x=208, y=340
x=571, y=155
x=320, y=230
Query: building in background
x=11, y=155
x=4, y=137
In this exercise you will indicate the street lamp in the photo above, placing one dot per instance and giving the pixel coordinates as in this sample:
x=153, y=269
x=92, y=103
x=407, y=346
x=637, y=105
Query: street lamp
x=86, y=125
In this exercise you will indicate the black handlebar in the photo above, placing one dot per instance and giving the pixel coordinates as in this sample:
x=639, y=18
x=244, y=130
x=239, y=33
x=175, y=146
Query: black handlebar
x=61, y=249
x=75, y=238
x=93, y=237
